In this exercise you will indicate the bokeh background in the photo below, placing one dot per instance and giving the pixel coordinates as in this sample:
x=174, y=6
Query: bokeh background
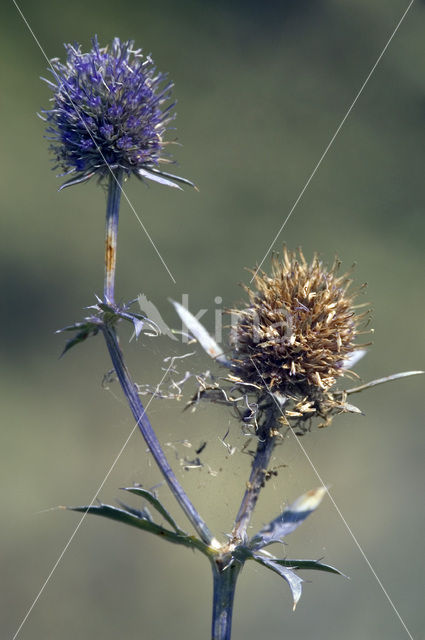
x=261, y=88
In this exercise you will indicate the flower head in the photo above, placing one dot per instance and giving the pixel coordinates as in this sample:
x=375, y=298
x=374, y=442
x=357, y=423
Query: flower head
x=297, y=333
x=109, y=112
x=288, y=346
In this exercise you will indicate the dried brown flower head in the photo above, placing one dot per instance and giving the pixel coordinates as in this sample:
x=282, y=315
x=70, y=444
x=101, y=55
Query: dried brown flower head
x=297, y=332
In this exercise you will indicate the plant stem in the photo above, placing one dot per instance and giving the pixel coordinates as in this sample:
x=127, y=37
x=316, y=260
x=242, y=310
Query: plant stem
x=224, y=592
x=112, y=214
x=265, y=446
x=148, y=433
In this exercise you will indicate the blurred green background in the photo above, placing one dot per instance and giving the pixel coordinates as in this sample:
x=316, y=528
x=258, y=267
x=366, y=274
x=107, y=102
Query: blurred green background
x=261, y=89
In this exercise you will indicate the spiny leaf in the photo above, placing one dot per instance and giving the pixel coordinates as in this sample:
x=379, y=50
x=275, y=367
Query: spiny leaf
x=79, y=180
x=291, y=518
x=353, y=358
x=84, y=329
x=144, y=514
x=311, y=565
x=177, y=178
x=165, y=174
x=351, y=408
x=126, y=517
x=290, y=576
x=199, y=332
x=153, y=500
x=374, y=383
x=160, y=177
x=138, y=326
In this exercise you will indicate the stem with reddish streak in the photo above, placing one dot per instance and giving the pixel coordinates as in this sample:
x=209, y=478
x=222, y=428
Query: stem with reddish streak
x=112, y=215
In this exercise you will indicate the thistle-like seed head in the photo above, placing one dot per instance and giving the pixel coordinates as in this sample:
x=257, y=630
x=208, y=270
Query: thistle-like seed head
x=108, y=112
x=297, y=332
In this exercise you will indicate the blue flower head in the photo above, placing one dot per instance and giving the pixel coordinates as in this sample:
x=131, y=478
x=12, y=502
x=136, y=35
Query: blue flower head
x=110, y=111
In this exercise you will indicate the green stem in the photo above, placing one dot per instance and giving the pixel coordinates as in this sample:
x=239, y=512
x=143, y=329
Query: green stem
x=224, y=592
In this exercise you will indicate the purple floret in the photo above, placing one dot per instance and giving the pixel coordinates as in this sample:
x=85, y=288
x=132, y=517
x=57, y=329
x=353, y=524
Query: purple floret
x=108, y=112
